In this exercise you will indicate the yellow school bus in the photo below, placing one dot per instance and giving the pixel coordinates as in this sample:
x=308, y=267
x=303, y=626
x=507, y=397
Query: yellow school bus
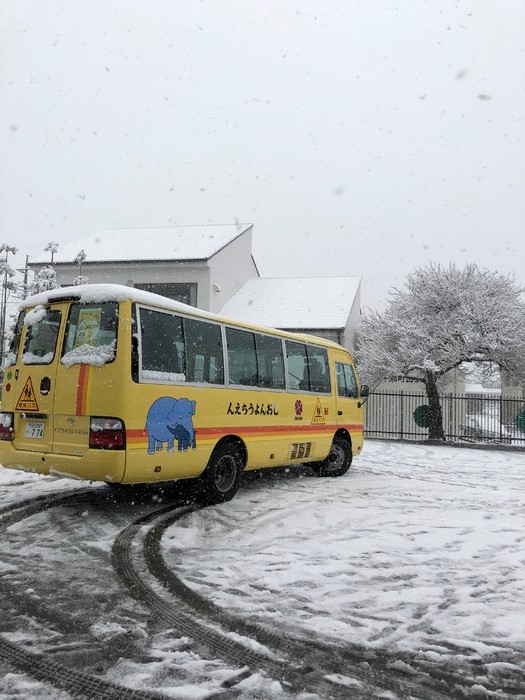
x=114, y=384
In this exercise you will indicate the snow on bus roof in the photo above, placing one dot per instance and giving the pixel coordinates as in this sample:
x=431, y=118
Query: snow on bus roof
x=89, y=293
x=98, y=293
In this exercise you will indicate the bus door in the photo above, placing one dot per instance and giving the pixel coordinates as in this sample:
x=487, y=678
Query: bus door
x=90, y=332
x=349, y=414
x=33, y=378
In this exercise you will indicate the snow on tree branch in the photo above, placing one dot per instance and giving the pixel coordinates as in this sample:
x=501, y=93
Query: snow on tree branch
x=441, y=318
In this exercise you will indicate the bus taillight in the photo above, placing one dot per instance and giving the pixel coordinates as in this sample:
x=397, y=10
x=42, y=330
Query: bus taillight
x=6, y=426
x=107, y=433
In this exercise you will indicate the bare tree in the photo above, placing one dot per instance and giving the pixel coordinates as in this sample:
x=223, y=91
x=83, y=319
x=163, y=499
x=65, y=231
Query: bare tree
x=80, y=258
x=442, y=318
x=51, y=247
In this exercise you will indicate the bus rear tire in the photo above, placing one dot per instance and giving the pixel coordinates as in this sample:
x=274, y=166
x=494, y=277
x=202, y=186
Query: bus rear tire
x=339, y=459
x=220, y=480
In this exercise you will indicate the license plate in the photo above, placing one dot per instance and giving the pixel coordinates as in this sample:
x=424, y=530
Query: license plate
x=34, y=430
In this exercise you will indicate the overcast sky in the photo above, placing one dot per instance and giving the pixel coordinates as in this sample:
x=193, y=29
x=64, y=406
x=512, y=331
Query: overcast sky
x=359, y=137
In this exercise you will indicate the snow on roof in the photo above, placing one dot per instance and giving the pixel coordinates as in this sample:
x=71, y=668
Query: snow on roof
x=294, y=302
x=168, y=243
x=98, y=293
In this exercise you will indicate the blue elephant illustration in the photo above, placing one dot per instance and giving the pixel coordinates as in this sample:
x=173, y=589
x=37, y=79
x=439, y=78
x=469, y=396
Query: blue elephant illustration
x=168, y=420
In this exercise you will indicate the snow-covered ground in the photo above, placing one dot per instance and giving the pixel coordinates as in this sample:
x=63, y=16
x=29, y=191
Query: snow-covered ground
x=418, y=549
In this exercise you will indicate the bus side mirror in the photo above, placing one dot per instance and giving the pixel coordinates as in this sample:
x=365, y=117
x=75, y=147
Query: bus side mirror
x=364, y=393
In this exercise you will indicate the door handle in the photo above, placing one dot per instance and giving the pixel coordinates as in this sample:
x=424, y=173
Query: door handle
x=339, y=413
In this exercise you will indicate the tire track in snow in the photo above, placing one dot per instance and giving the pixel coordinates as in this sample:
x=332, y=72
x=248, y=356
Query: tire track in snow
x=293, y=676
x=324, y=669
x=401, y=673
x=40, y=666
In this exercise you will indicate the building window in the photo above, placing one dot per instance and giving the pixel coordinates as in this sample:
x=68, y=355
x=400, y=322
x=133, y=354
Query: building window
x=184, y=292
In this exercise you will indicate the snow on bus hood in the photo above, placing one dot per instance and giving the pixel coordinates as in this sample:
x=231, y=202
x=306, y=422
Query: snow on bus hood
x=89, y=355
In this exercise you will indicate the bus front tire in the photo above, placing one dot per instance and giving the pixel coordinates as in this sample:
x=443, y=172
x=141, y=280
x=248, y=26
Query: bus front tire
x=220, y=480
x=339, y=459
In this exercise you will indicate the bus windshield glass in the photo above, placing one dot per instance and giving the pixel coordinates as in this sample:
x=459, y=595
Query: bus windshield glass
x=41, y=337
x=15, y=341
x=91, y=334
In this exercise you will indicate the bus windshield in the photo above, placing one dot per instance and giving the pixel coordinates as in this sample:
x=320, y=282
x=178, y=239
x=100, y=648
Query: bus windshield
x=91, y=334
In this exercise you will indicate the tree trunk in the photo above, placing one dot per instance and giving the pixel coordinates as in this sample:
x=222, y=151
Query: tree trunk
x=435, y=415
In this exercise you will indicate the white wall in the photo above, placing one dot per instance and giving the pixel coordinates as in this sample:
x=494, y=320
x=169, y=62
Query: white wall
x=138, y=273
x=226, y=271
x=350, y=332
x=230, y=268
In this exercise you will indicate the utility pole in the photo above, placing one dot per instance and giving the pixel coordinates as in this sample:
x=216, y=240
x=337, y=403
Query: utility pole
x=7, y=285
x=25, y=271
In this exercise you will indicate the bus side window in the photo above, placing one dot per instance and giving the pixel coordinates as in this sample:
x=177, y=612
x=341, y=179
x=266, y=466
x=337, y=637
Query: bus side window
x=319, y=375
x=162, y=343
x=242, y=360
x=346, y=381
x=198, y=369
x=297, y=359
x=203, y=351
x=341, y=381
x=351, y=382
x=270, y=361
x=134, y=346
x=216, y=369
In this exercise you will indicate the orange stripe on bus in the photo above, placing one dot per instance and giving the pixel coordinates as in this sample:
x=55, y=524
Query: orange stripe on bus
x=251, y=430
x=274, y=429
x=82, y=389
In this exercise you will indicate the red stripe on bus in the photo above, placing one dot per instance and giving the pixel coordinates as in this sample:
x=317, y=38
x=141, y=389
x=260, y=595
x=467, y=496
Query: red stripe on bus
x=82, y=385
x=253, y=429
x=141, y=433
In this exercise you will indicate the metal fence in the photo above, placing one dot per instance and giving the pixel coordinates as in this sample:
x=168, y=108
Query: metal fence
x=476, y=418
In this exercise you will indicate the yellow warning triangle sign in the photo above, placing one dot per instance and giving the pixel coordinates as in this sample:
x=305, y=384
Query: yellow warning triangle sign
x=318, y=416
x=27, y=400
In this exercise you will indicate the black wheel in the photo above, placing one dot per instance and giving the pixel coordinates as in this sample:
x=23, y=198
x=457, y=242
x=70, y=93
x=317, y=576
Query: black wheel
x=220, y=480
x=338, y=461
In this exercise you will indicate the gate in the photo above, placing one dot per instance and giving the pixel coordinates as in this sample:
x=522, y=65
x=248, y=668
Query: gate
x=466, y=417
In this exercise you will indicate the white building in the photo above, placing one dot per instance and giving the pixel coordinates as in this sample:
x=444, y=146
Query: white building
x=212, y=268
x=326, y=306
x=199, y=265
